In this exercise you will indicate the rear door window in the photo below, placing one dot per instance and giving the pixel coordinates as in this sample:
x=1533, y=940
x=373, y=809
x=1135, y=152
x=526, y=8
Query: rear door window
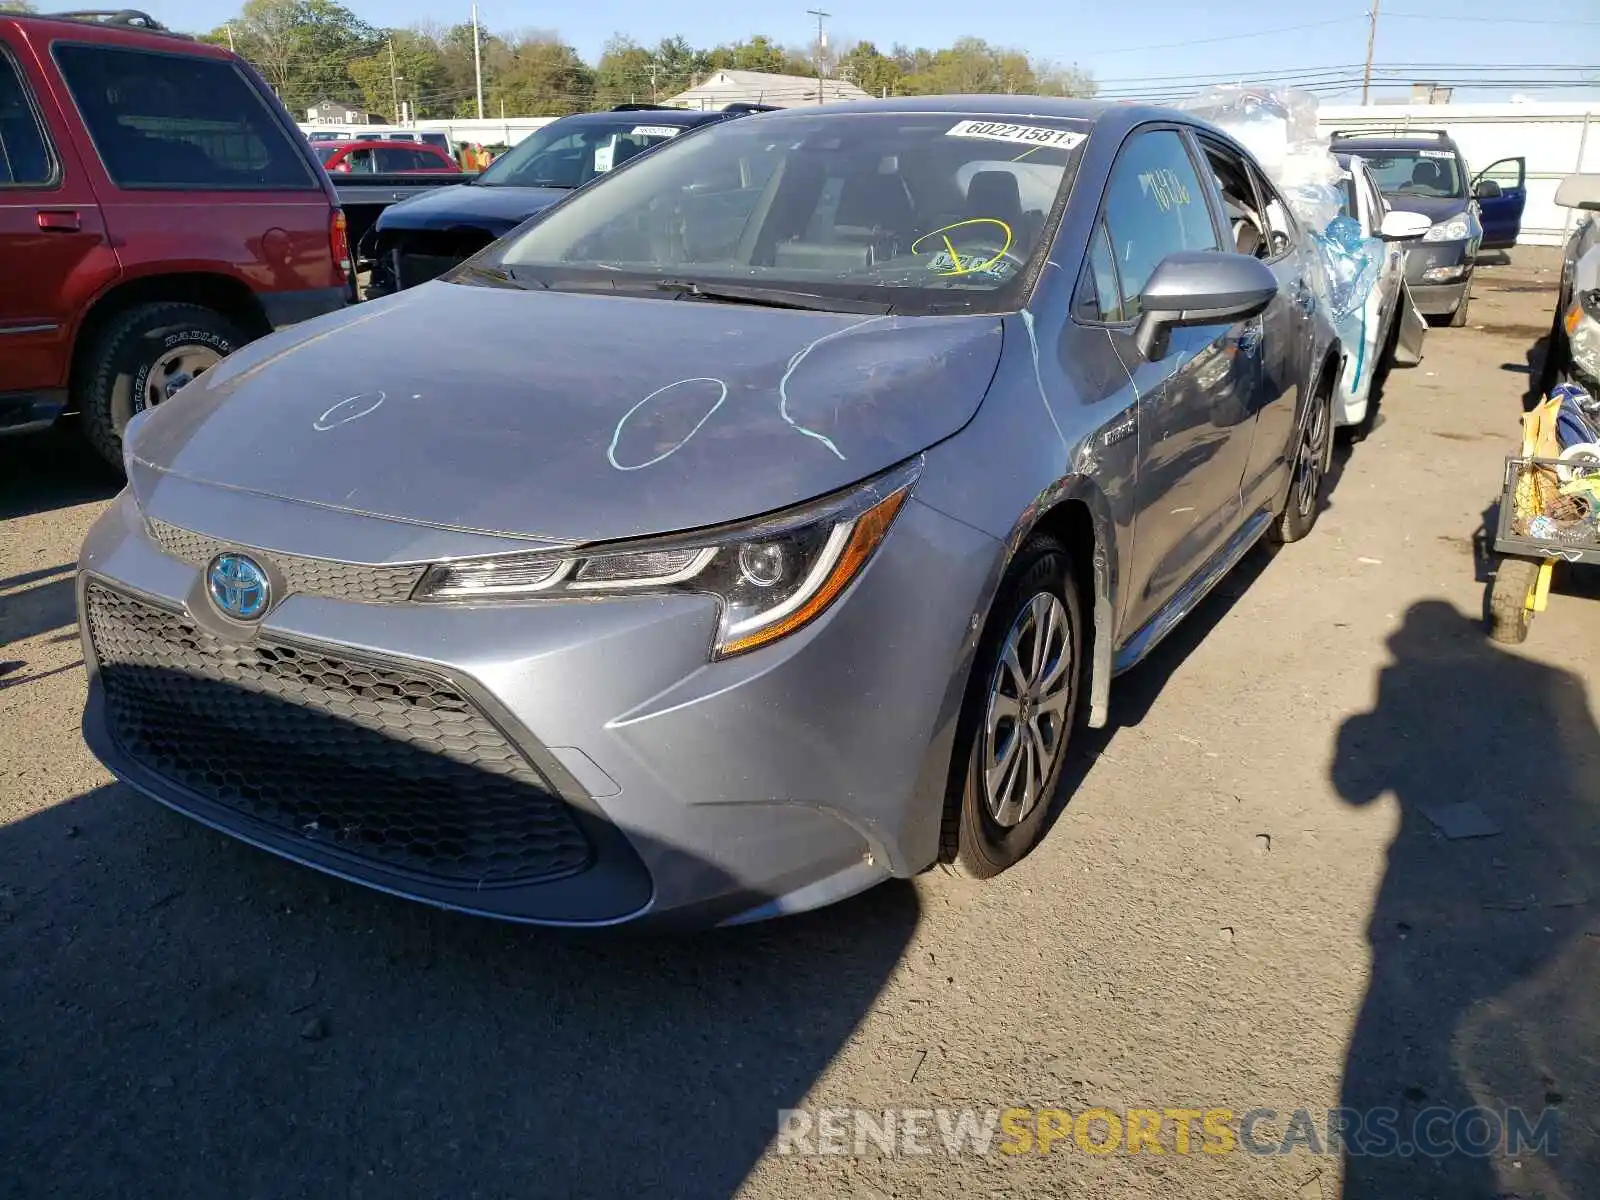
x=24, y=155
x=179, y=121
x=393, y=158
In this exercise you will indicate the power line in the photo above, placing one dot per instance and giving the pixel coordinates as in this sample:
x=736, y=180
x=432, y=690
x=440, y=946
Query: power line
x=1231, y=37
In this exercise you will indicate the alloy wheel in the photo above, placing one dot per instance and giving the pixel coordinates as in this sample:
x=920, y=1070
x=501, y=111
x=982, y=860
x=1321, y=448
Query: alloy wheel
x=1029, y=694
x=1313, y=457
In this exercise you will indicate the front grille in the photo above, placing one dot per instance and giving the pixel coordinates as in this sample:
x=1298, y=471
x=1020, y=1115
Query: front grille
x=310, y=576
x=392, y=765
x=411, y=269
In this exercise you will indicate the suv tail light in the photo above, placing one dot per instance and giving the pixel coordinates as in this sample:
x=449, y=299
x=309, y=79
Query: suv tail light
x=339, y=242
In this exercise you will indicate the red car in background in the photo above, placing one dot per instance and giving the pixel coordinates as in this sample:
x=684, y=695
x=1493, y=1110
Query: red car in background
x=158, y=210
x=385, y=158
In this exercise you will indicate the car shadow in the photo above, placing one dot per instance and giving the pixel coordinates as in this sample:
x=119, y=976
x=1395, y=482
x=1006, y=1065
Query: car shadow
x=187, y=1013
x=1482, y=933
x=41, y=472
x=36, y=602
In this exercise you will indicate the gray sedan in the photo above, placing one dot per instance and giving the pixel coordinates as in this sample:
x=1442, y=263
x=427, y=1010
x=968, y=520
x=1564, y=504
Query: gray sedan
x=809, y=481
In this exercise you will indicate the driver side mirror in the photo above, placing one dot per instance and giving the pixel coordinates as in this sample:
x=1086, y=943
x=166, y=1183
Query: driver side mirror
x=1200, y=287
x=1401, y=226
x=1487, y=189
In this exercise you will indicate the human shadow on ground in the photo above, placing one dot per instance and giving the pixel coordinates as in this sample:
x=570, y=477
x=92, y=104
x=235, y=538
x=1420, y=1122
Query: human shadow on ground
x=1483, y=933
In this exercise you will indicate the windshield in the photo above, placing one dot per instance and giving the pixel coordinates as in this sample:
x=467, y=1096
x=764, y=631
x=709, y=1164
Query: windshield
x=1433, y=173
x=568, y=154
x=326, y=150
x=913, y=210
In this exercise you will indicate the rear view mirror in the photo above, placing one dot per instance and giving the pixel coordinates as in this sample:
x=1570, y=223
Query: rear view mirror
x=1487, y=189
x=1580, y=191
x=1200, y=287
x=1401, y=226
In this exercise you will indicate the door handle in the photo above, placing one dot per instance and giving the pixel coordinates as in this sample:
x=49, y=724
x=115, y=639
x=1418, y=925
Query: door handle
x=59, y=220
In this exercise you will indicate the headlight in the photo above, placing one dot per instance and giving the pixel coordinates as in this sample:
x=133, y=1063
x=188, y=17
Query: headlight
x=1457, y=229
x=773, y=576
x=1583, y=334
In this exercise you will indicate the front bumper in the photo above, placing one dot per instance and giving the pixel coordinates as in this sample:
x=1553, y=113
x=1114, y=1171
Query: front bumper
x=702, y=792
x=1439, y=275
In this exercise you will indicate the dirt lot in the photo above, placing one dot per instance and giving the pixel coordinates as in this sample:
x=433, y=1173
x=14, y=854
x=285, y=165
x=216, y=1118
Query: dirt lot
x=1253, y=901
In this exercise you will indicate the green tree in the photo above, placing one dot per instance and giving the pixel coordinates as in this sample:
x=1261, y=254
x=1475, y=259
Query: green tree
x=536, y=75
x=626, y=74
x=679, y=65
x=416, y=71
x=870, y=69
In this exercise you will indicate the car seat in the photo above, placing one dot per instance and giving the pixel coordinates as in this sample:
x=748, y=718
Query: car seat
x=1428, y=174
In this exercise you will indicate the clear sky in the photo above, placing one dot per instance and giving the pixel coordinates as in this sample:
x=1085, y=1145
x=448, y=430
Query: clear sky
x=1124, y=45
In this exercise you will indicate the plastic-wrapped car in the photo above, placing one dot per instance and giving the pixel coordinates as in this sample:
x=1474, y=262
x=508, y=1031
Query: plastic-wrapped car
x=1386, y=329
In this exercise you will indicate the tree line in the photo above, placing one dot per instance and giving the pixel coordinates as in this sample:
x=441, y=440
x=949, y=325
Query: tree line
x=310, y=50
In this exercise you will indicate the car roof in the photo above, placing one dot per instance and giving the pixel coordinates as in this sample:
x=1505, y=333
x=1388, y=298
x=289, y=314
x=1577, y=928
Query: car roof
x=971, y=105
x=127, y=27
x=646, y=116
x=390, y=143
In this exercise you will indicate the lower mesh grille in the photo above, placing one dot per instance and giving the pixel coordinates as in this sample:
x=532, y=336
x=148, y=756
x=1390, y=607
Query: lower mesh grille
x=391, y=765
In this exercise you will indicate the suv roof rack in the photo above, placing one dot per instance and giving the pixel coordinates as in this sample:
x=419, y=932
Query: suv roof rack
x=124, y=18
x=1390, y=131
x=744, y=106
x=644, y=108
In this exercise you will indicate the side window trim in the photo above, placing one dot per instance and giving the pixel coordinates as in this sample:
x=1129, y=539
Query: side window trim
x=1196, y=146
x=1100, y=234
x=1270, y=196
x=55, y=180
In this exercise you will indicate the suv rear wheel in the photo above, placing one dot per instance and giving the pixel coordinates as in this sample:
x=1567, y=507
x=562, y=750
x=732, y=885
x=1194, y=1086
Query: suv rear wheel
x=141, y=359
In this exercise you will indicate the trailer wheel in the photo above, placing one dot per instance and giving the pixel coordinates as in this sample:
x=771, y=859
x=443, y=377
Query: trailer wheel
x=1511, y=599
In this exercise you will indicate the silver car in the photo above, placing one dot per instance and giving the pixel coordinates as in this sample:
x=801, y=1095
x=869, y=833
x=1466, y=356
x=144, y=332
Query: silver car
x=802, y=487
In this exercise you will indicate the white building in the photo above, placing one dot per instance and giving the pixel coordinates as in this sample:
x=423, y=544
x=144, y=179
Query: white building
x=722, y=88
x=336, y=112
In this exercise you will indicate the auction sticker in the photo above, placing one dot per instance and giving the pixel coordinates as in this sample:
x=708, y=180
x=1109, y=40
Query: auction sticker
x=1436, y=154
x=655, y=131
x=1022, y=135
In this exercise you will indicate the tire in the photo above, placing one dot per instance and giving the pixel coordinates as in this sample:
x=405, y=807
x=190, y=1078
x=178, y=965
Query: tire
x=1509, y=614
x=979, y=840
x=127, y=362
x=1308, y=483
x=1458, y=319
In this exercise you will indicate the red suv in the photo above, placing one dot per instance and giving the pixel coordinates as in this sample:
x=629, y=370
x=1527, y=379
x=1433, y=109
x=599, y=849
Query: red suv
x=158, y=209
x=385, y=158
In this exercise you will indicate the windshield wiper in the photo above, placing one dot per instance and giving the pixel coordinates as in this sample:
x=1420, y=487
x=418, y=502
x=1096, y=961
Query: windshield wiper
x=722, y=293
x=494, y=276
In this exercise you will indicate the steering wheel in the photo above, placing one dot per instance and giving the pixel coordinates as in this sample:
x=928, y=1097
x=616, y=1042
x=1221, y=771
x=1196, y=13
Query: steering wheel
x=975, y=246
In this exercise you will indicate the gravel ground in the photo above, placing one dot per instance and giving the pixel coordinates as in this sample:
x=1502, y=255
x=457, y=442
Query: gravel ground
x=1251, y=902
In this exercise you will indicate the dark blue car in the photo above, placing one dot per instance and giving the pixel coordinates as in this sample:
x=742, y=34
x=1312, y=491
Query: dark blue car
x=423, y=237
x=1423, y=171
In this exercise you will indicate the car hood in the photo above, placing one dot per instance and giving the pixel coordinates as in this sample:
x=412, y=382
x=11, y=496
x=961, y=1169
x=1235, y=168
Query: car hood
x=569, y=417
x=1434, y=208
x=482, y=206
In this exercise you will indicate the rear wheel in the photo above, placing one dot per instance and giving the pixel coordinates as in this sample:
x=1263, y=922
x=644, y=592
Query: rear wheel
x=1017, y=717
x=141, y=359
x=1311, y=461
x=1511, y=600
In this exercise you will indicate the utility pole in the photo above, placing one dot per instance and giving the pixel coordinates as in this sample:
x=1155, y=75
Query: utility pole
x=654, y=67
x=394, y=82
x=1372, y=40
x=477, y=60
x=822, y=44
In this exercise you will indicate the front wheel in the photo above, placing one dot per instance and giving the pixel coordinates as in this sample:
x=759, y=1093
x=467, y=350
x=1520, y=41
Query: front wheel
x=141, y=359
x=1458, y=319
x=1313, y=456
x=1511, y=600
x=1017, y=717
